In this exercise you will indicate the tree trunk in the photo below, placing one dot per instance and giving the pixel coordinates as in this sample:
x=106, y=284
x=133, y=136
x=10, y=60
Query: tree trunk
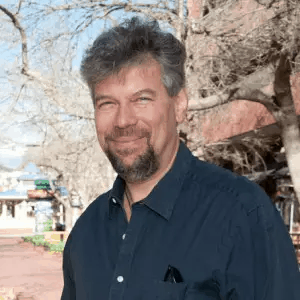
x=68, y=216
x=291, y=141
x=180, y=14
x=68, y=210
x=288, y=121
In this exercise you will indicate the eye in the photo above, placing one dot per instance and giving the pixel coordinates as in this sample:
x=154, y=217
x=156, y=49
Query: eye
x=104, y=105
x=143, y=100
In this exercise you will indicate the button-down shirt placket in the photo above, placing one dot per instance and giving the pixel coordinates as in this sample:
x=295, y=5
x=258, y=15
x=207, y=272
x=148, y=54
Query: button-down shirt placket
x=126, y=253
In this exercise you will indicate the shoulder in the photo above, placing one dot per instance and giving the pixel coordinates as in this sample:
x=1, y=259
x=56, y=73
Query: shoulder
x=241, y=208
x=228, y=188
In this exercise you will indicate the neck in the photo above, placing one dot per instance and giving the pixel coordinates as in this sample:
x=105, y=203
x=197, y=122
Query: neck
x=137, y=191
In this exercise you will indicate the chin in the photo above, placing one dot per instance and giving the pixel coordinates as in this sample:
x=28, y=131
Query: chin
x=134, y=165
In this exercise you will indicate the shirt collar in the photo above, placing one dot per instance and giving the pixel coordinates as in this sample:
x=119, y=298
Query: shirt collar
x=163, y=196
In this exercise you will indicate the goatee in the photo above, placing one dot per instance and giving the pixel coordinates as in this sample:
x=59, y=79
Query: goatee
x=140, y=170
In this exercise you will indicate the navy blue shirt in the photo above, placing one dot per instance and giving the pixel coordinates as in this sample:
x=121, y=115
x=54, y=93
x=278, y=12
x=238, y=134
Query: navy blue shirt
x=219, y=230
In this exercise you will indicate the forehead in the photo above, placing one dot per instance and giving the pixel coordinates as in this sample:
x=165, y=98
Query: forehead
x=133, y=77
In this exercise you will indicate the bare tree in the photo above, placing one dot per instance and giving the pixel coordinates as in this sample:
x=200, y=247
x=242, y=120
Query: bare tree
x=64, y=115
x=236, y=49
x=79, y=166
x=59, y=102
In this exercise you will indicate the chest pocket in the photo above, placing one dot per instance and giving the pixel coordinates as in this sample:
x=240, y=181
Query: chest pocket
x=206, y=290
x=161, y=290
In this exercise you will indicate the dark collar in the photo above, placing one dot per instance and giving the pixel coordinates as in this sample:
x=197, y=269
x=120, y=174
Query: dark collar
x=163, y=196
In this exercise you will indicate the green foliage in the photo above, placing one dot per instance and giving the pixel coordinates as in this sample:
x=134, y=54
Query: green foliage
x=27, y=239
x=48, y=225
x=38, y=240
x=57, y=247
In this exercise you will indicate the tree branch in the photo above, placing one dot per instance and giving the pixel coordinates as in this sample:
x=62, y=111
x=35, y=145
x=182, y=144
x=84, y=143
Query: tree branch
x=18, y=26
x=15, y=101
x=77, y=117
x=19, y=6
x=283, y=90
x=47, y=86
x=282, y=76
x=146, y=8
x=258, y=96
x=208, y=102
x=59, y=172
x=250, y=88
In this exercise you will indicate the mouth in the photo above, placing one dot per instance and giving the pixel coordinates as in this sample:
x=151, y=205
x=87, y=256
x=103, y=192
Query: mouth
x=126, y=140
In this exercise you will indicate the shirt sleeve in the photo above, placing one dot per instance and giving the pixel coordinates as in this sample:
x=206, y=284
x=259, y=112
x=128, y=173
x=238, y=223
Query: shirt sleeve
x=262, y=264
x=68, y=292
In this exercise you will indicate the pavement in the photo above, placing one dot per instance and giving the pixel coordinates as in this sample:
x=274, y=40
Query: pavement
x=16, y=232
x=28, y=272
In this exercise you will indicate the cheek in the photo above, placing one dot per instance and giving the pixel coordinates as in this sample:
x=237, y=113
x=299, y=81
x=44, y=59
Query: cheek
x=168, y=119
x=155, y=119
x=102, y=123
x=99, y=129
x=101, y=134
x=162, y=125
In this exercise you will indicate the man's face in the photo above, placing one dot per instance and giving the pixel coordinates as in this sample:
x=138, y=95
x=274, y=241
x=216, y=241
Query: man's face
x=136, y=120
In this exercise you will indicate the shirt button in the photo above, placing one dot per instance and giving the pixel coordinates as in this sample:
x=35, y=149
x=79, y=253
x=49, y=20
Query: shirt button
x=123, y=236
x=120, y=278
x=114, y=200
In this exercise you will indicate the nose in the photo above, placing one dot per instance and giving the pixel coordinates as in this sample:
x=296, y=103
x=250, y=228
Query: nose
x=125, y=117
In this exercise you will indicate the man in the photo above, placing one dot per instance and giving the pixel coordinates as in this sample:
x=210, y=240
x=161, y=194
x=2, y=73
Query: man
x=171, y=227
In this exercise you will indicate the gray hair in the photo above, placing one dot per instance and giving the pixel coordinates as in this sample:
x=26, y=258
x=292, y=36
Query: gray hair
x=129, y=44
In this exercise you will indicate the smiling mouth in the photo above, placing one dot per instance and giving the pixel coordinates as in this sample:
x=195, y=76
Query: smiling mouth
x=125, y=143
x=126, y=140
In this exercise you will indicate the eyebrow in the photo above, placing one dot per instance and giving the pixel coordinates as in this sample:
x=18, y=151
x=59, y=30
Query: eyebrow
x=148, y=91
x=138, y=93
x=101, y=97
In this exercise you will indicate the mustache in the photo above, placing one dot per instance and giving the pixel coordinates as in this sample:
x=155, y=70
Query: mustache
x=128, y=132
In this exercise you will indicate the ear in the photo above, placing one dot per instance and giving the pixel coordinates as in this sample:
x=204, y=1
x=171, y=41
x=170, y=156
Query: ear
x=181, y=106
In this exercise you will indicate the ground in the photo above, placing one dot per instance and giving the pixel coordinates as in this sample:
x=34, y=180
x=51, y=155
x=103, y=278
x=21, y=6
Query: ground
x=30, y=271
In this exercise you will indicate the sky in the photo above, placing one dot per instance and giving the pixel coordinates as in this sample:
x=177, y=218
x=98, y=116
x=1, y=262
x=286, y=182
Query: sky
x=11, y=156
x=11, y=160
